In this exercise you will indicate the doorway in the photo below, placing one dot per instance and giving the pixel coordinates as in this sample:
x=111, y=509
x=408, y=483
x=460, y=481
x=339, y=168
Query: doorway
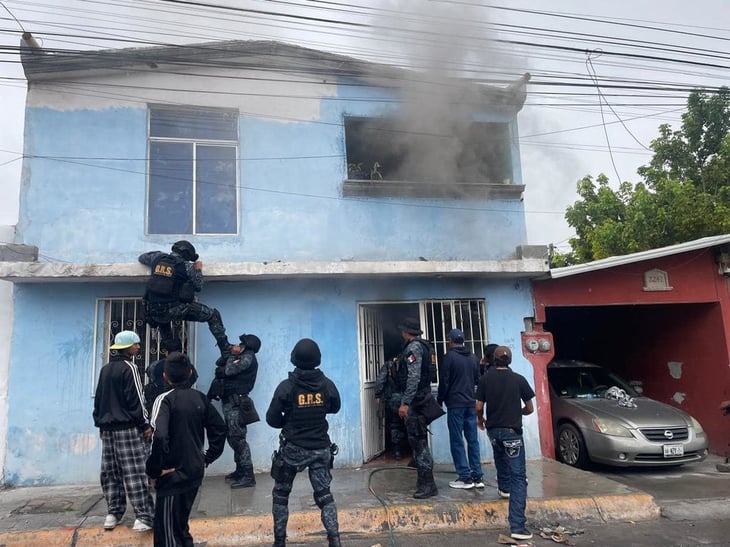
x=380, y=340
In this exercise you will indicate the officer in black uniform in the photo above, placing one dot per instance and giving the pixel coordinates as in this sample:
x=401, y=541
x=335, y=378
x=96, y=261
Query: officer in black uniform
x=299, y=408
x=236, y=371
x=386, y=389
x=170, y=295
x=414, y=381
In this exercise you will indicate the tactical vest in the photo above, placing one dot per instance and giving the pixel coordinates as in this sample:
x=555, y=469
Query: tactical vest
x=243, y=382
x=308, y=414
x=425, y=380
x=168, y=281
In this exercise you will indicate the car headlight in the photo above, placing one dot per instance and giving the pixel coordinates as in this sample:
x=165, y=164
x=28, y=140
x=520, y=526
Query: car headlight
x=696, y=425
x=610, y=427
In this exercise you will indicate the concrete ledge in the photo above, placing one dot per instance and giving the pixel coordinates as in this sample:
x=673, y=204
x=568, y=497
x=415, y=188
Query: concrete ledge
x=306, y=525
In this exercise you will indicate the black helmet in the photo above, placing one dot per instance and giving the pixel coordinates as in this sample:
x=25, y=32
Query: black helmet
x=185, y=249
x=306, y=354
x=251, y=341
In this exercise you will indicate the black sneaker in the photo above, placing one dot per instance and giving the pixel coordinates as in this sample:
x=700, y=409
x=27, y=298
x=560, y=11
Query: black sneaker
x=522, y=534
x=462, y=484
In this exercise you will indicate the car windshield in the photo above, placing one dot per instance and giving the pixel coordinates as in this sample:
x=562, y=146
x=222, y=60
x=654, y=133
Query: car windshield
x=585, y=382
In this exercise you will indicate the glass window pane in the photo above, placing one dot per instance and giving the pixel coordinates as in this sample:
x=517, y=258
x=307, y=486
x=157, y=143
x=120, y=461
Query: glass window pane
x=194, y=123
x=216, y=190
x=170, y=198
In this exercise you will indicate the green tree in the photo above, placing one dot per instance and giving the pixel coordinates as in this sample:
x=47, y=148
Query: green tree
x=684, y=194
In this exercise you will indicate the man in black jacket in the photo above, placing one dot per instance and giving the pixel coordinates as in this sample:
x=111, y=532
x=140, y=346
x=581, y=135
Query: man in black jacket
x=458, y=378
x=236, y=370
x=123, y=424
x=299, y=408
x=174, y=280
x=182, y=418
x=156, y=384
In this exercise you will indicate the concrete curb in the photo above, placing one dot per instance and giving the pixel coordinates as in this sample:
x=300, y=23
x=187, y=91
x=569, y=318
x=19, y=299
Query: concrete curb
x=306, y=525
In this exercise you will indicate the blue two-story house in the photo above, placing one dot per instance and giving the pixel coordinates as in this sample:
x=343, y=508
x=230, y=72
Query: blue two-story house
x=327, y=197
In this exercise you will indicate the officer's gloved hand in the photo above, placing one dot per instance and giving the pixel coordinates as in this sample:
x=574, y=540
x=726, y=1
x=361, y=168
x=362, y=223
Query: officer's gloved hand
x=220, y=372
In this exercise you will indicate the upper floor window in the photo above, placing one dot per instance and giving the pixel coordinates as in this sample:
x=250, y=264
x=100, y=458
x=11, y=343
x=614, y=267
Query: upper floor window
x=193, y=174
x=435, y=160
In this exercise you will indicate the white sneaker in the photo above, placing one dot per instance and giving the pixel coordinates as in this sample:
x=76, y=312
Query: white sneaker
x=110, y=522
x=461, y=484
x=503, y=494
x=478, y=483
x=140, y=526
x=524, y=534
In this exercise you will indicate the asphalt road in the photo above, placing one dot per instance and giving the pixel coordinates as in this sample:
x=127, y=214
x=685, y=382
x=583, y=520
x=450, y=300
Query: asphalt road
x=695, y=502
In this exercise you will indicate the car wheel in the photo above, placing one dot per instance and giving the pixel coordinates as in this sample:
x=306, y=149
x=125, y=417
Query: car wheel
x=571, y=446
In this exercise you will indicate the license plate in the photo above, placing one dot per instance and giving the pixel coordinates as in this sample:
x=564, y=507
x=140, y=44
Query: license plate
x=673, y=450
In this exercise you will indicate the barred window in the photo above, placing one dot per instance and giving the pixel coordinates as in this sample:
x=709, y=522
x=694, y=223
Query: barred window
x=117, y=314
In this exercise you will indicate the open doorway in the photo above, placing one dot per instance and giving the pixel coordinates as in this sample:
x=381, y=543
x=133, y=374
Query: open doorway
x=380, y=340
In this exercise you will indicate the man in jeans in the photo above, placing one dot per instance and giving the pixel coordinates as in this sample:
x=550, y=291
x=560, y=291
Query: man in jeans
x=458, y=377
x=503, y=392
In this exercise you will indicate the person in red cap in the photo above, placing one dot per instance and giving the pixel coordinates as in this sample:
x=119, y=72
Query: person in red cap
x=504, y=392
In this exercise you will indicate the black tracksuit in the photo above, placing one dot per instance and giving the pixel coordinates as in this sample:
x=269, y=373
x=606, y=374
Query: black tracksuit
x=182, y=418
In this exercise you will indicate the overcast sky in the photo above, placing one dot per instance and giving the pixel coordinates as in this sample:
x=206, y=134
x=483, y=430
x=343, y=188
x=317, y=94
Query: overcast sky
x=644, y=55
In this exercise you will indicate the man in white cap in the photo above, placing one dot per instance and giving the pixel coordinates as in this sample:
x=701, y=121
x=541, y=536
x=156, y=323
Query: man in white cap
x=120, y=415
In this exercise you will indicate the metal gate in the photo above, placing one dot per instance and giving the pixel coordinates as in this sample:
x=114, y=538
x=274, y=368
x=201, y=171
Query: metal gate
x=372, y=356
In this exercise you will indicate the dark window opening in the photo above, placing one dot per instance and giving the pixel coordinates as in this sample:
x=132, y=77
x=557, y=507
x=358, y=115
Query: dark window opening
x=384, y=150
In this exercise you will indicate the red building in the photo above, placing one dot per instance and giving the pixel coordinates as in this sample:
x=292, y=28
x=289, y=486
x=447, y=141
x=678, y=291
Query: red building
x=661, y=317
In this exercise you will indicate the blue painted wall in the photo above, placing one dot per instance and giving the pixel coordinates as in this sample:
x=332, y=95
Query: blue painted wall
x=52, y=439
x=83, y=194
x=83, y=199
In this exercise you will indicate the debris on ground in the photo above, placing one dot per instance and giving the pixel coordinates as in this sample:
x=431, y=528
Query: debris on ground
x=559, y=534
x=506, y=540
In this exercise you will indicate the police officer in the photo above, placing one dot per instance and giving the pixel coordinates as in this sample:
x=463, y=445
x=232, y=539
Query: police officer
x=414, y=381
x=386, y=389
x=236, y=369
x=299, y=408
x=170, y=294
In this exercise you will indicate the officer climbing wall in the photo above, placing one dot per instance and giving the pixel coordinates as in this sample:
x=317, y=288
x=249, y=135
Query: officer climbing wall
x=299, y=408
x=170, y=294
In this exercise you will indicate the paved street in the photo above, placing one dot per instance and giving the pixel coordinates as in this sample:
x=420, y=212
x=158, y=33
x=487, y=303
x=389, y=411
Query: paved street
x=695, y=503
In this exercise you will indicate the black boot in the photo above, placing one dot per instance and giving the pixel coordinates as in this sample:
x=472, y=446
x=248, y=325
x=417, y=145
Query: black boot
x=426, y=486
x=235, y=475
x=279, y=542
x=334, y=541
x=246, y=479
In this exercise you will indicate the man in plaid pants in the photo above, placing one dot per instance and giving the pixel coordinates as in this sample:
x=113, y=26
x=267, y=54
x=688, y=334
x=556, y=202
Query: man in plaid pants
x=120, y=415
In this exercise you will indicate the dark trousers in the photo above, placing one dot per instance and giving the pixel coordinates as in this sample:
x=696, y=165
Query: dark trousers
x=172, y=514
x=160, y=315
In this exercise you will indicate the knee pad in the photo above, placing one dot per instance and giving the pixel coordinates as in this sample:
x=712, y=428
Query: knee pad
x=280, y=494
x=323, y=497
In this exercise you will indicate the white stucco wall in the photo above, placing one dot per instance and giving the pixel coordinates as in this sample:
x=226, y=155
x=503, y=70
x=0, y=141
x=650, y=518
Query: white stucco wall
x=7, y=234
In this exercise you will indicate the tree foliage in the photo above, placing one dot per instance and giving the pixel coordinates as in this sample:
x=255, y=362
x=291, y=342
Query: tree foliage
x=684, y=193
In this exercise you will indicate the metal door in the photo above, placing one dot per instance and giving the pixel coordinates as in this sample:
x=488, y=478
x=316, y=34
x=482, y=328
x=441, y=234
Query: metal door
x=372, y=355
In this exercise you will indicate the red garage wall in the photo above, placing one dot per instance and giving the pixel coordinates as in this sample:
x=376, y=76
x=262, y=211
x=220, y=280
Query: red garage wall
x=678, y=347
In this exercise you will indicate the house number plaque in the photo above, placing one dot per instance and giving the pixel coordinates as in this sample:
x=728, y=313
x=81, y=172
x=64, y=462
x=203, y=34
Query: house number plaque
x=656, y=280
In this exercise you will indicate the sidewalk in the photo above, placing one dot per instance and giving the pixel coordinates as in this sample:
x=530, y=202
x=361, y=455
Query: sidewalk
x=371, y=498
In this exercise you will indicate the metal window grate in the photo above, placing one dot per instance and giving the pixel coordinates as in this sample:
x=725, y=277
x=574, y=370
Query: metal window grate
x=114, y=315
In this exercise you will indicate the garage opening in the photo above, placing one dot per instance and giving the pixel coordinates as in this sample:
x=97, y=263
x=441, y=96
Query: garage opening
x=670, y=350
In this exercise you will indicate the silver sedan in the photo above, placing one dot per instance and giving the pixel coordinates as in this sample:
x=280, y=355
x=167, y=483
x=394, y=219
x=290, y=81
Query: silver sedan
x=598, y=417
